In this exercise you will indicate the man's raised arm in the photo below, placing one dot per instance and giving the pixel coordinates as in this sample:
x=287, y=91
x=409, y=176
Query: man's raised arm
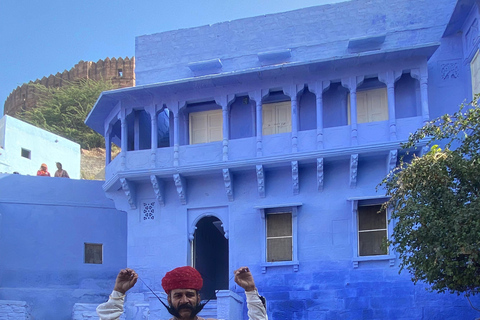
x=256, y=304
x=113, y=308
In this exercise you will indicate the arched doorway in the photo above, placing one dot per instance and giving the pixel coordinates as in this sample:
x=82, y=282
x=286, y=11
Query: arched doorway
x=210, y=256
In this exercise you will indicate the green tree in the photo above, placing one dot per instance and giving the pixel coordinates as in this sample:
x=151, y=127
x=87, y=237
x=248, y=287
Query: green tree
x=435, y=204
x=63, y=110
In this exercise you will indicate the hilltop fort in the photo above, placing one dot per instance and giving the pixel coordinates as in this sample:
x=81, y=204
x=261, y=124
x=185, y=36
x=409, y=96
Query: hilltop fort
x=120, y=71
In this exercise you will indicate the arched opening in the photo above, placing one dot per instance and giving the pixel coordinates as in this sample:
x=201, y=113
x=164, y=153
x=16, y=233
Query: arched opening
x=210, y=256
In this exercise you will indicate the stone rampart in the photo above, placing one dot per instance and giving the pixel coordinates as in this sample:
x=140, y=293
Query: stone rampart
x=120, y=71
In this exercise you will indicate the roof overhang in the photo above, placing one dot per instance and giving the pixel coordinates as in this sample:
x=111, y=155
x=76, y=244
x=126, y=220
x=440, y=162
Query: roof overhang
x=460, y=13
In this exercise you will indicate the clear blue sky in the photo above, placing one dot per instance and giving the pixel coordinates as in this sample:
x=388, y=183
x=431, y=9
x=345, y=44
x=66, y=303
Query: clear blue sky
x=39, y=38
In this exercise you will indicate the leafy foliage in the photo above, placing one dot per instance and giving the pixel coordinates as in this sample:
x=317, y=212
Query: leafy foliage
x=435, y=204
x=63, y=110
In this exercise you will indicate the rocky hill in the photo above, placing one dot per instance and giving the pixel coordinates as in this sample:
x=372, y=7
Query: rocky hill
x=92, y=164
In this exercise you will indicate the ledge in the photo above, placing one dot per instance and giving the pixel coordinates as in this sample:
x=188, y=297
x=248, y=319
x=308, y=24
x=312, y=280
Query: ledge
x=279, y=205
x=390, y=258
x=274, y=56
x=368, y=43
x=213, y=64
x=265, y=265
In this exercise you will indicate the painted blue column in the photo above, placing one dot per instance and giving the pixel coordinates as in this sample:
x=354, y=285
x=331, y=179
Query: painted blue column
x=108, y=146
x=353, y=116
x=223, y=102
x=421, y=75
x=351, y=84
x=124, y=144
x=294, y=121
x=176, y=138
x=259, y=127
x=136, y=131
x=319, y=107
x=389, y=78
x=424, y=97
x=154, y=134
x=318, y=88
x=392, y=124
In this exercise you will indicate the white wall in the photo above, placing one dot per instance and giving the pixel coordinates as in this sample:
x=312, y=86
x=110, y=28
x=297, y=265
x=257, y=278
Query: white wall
x=44, y=146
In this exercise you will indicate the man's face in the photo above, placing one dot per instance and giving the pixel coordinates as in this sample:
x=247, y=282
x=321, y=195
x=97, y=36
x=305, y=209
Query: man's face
x=43, y=168
x=184, y=301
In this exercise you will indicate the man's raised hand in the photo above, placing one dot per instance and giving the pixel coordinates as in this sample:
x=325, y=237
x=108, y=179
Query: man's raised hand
x=126, y=279
x=244, y=278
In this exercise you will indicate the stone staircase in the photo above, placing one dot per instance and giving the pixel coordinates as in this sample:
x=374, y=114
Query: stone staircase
x=210, y=310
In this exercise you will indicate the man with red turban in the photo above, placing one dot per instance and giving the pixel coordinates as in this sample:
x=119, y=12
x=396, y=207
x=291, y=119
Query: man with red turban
x=182, y=286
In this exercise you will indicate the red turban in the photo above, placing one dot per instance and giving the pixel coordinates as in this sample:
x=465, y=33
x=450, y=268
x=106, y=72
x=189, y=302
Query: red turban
x=182, y=278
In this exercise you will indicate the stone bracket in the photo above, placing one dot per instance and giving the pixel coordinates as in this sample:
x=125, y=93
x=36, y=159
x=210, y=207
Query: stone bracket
x=295, y=182
x=260, y=181
x=159, y=189
x=181, y=187
x=353, y=170
x=320, y=174
x=227, y=179
x=392, y=160
x=130, y=191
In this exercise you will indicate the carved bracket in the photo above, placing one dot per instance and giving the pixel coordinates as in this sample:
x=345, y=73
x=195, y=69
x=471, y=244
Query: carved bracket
x=353, y=170
x=392, y=160
x=352, y=83
x=181, y=187
x=260, y=181
x=227, y=179
x=159, y=189
x=320, y=174
x=390, y=77
x=295, y=183
x=130, y=191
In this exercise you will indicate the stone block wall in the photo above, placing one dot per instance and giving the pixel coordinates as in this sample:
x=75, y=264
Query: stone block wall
x=13, y=310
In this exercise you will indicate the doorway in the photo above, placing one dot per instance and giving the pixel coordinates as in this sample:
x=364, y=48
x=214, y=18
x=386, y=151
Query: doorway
x=210, y=256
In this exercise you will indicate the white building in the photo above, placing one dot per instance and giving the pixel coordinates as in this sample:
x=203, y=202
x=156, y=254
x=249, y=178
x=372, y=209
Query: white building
x=24, y=147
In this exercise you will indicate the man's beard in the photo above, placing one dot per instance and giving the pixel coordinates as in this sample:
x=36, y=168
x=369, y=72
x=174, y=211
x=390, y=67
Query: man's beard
x=194, y=310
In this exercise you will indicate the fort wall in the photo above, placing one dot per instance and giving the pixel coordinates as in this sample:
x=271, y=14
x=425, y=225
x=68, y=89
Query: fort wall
x=120, y=71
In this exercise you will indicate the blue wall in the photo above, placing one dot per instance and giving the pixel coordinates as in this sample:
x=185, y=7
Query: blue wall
x=44, y=224
x=329, y=280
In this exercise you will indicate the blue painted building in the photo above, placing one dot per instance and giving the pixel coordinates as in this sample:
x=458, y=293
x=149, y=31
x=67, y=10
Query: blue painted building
x=261, y=141
x=61, y=244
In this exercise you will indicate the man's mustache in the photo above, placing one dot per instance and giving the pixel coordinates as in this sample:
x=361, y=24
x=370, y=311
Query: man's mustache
x=186, y=306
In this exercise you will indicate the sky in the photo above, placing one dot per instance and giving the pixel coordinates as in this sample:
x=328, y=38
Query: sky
x=39, y=38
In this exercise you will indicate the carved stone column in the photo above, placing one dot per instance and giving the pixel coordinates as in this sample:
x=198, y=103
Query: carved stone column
x=152, y=111
x=421, y=74
x=223, y=102
x=124, y=142
x=176, y=138
x=351, y=84
x=108, y=145
x=318, y=88
x=257, y=96
x=389, y=78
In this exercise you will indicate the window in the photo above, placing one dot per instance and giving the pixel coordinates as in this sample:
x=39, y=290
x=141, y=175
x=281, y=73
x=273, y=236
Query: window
x=372, y=230
x=94, y=253
x=206, y=126
x=279, y=243
x=120, y=72
x=26, y=153
x=277, y=117
x=372, y=105
x=279, y=236
x=475, y=71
